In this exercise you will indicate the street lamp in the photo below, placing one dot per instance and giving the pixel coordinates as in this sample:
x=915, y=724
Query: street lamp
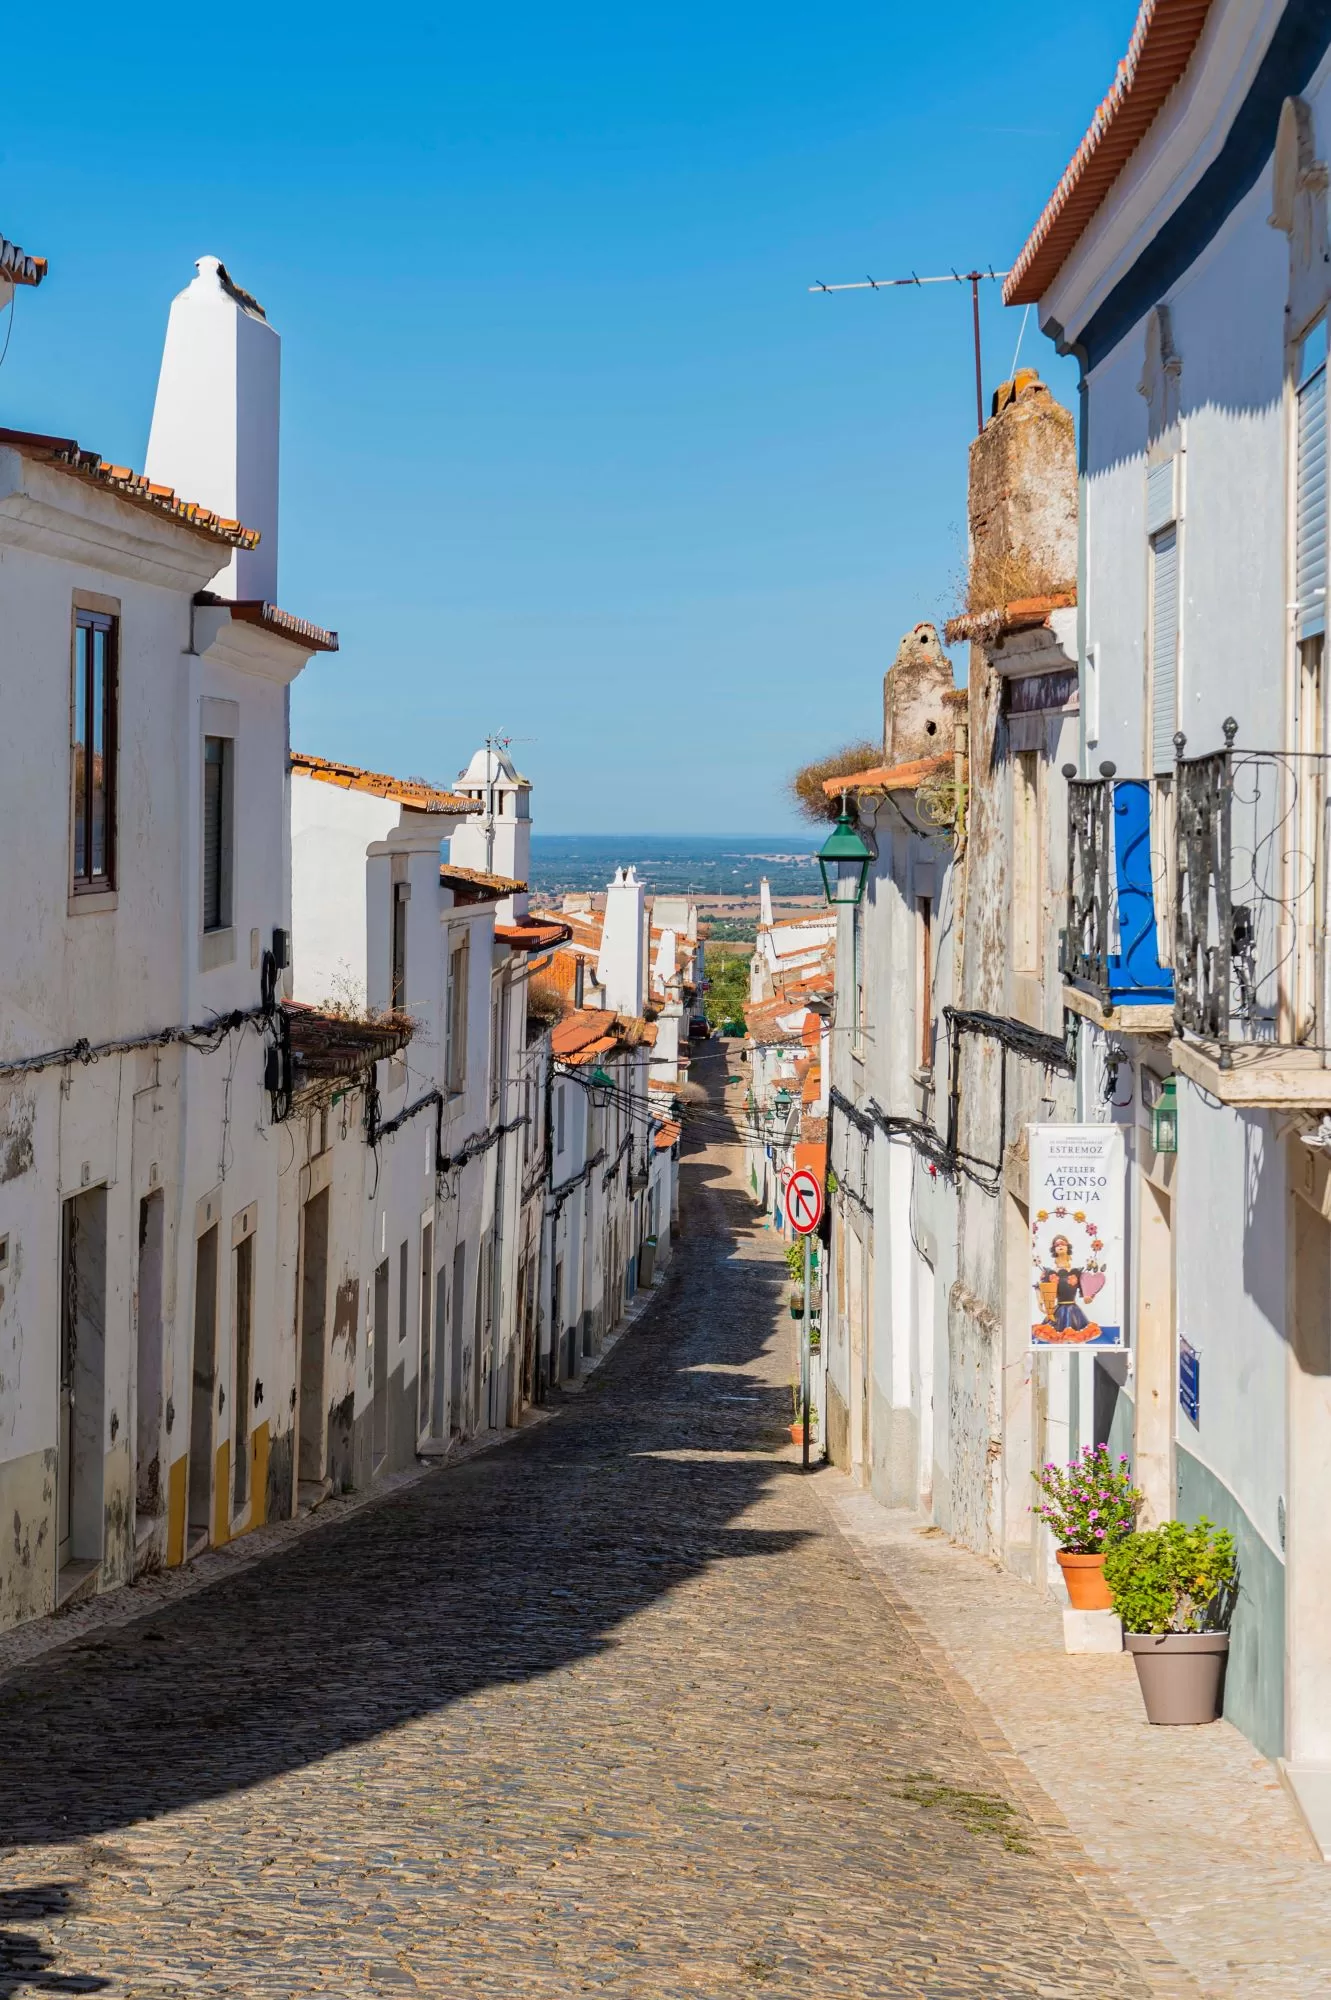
x=1164, y=1118
x=602, y=1087
x=844, y=862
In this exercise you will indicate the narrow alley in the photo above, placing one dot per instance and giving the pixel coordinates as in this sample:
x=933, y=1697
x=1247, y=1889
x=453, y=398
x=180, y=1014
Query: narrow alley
x=611, y=1707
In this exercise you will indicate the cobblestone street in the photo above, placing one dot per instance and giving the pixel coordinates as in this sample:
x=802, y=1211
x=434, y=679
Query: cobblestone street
x=613, y=1707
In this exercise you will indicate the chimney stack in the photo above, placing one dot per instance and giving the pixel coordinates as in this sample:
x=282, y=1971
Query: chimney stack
x=215, y=421
x=622, y=964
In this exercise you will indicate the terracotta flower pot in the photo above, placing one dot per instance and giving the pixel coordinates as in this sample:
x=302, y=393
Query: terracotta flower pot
x=797, y=1433
x=1085, y=1579
x=1181, y=1674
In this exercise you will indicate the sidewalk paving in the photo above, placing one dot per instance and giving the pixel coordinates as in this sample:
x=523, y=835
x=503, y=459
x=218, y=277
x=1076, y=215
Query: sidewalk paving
x=1189, y=1828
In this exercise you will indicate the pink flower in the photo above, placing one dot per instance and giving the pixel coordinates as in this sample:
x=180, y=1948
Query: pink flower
x=1100, y=1533
x=1094, y=1514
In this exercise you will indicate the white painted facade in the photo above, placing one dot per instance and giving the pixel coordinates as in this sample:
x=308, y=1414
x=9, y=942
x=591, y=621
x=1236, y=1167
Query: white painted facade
x=142, y=1153
x=1193, y=351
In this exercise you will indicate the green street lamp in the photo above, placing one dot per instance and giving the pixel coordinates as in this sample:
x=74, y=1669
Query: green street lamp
x=844, y=862
x=1164, y=1118
x=602, y=1087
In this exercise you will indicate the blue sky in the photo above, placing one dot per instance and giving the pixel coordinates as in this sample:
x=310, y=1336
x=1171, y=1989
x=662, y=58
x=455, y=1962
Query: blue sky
x=569, y=451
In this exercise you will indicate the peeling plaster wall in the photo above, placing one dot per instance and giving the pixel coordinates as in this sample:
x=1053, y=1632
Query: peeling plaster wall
x=1023, y=541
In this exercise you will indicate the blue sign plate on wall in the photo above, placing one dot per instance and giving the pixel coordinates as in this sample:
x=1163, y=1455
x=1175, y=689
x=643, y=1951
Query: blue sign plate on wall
x=1189, y=1380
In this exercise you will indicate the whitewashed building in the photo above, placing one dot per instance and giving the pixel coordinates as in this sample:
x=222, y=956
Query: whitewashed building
x=143, y=1395
x=892, y=1220
x=1189, y=275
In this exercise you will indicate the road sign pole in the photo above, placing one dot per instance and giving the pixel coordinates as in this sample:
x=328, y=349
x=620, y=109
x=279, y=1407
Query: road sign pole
x=804, y=1353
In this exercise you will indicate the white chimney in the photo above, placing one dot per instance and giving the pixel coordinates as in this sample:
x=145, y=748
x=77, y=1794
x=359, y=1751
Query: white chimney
x=215, y=420
x=765, y=904
x=621, y=967
x=498, y=839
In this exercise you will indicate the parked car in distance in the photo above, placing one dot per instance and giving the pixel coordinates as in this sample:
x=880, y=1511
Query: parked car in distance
x=698, y=1028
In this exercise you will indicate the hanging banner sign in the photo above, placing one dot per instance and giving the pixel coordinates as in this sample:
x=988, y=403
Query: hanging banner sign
x=1078, y=1185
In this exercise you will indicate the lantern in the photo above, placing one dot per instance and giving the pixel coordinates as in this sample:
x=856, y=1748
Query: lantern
x=844, y=862
x=1164, y=1118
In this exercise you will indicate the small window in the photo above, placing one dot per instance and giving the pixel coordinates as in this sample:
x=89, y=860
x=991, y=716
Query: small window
x=93, y=762
x=218, y=812
x=559, y=1119
x=926, y=1002
x=403, y=1257
x=457, y=1016
x=1027, y=860
x=1310, y=529
x=1164, y=647
x=397, y=978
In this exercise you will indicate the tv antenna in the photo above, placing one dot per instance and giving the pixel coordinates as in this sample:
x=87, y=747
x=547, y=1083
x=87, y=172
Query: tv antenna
x=971, y=278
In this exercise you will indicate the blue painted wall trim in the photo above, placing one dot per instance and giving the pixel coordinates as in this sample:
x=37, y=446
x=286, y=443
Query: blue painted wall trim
x=1136, y=976
x=1297, y=47
x=1255, y=1674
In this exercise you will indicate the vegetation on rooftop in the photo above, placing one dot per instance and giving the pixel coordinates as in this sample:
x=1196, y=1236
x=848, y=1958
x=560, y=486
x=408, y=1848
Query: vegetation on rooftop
x=806, y=785
x=546, y=1004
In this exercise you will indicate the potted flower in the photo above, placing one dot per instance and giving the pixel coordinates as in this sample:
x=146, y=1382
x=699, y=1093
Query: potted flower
x=1174, y=1588
x=797, y=1413
x=1088, y=1506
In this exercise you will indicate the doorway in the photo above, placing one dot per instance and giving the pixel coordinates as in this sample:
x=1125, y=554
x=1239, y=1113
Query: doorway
x=1308, y=1535
x=455, y=1411
x=203, y=1391
x=924, y=1347
x=1157, y=1384
x=423, y=1423
x=379, y=1410
x=313, y=1339
x=242, y=1347
x=859, y=1360
x=82, y=1383
x=148, y=1358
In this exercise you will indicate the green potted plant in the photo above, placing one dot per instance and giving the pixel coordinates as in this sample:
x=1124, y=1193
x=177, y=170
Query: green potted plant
x=1174, y=1588
x=795, y=1266
x=797, y=1414
x=1088, y=1506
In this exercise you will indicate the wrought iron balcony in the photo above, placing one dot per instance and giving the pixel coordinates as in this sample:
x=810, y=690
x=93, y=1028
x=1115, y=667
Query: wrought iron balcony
x=1109, y=945
x=1250, y=896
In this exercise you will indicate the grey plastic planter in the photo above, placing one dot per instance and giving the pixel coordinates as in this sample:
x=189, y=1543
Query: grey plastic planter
x=1181, y=1674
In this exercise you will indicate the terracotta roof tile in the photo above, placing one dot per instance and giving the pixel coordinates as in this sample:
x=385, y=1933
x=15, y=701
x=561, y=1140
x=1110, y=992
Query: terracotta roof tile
x=1018, y=616
x=412, y=792
x=17, y=267
x=66, y=455
x=325, y=1045
x=889, y=777
x=530, y=935
x=254, y=611
x=667, y=1136
x=590, y=1032
x=1163, y=41
x=475, y=880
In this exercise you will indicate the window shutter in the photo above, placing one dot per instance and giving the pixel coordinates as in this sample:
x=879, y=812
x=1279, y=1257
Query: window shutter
x=212, y=835
x=1164, y=648
x=1162, y=494
x=1310, y=534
